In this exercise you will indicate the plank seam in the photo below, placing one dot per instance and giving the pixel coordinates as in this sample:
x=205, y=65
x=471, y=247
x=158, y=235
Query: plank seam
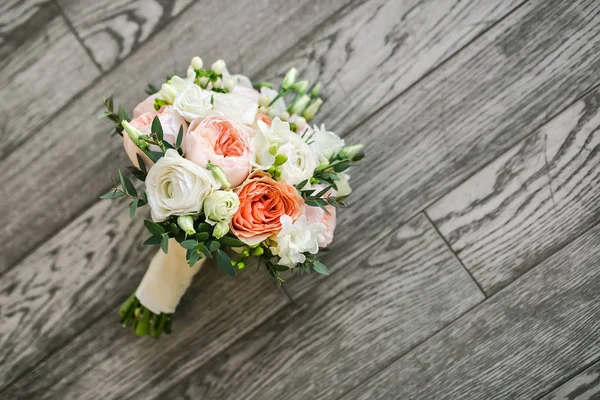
x=67, y=21
x=443, y=238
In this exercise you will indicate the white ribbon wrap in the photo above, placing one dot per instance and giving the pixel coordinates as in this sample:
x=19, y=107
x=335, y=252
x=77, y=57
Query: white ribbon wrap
x=166, y=280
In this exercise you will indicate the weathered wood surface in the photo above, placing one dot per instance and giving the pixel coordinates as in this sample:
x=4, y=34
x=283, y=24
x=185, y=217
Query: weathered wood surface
x=584, y=386
x=74, y=159
x=473, y=108
x=529, y=202
x=516, y=345
x=378, y=305
x=42, y=66
x=89, y=269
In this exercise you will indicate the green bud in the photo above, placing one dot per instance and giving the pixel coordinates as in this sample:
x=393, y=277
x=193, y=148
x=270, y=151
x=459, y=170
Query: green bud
x=315, y=90
x=280, y=159
x=311, y=110
x=350, y=151
x=133, y=133
x=186, y=223
x=300, y=87
x=221, y=229
x=289, y=79
x=245, y=253
x=299, y=104
x=241, y=265
x=314, y=181
x=273, y=149
x=258, y=251
x=218, y=174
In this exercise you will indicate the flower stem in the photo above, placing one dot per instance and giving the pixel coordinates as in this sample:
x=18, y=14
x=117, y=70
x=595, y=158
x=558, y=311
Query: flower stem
x=143, y=321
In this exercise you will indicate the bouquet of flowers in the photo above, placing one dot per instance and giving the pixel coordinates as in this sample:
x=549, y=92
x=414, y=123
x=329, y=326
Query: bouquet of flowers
x=231, y=171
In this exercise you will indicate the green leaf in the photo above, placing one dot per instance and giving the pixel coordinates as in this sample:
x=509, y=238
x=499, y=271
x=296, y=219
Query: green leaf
x=122, y=113
x=204, y=227
x=179, y=137
x=358, y=156
x=141, y=163
x=113, y=194
x=103, y=114
x=214, y=245
x=231, y=241
x=202, y=248
x=194, y=258
x=156, y=128
x=154, y=228
x=132, y=208
x=164, y=243
x=155, y=155
x=322, y=192
x=127, y=185
x=280, y=268
x=302, y=184
x=151, y=89
x=320, y=268
x=189, y=244
x=139, y=175
x=202, y=236
x=225, y=263
x=344, y=165
x=153, y=240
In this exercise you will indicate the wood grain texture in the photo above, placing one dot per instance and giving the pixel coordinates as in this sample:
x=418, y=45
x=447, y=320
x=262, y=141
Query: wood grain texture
x=73, y=168
x=369, y=56
x=516, y=345
x=583, y=386
x=42, y=66
x=351, y=325
x=529, y=202
x=474, y=108
x=88, y=270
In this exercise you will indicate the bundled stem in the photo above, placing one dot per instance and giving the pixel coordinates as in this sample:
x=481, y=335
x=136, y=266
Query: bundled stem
x=143, y=321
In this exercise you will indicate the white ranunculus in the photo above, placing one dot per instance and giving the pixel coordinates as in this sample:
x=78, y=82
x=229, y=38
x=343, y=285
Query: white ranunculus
x=235, y=106
x=176, y=85
x=325, y=143
x=343, y=186
x=193, y=102
x=297, y=238
x=301, y=161
x=176, y=186
x=220, y=206
x=279, y=106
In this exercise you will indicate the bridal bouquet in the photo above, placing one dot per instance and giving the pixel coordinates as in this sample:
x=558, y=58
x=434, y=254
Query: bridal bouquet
x=231, y=171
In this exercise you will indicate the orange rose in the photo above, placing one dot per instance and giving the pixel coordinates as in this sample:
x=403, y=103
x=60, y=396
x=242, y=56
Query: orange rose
x=262, y=203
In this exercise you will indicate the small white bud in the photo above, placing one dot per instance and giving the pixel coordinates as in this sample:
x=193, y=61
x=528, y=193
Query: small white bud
x=221, y=229
x=311, y=110
x=228, y=83
x=218, y=174
x=196, y=63
x=289, y=79
x=218, y=67
x=186, y=223
x=351, y=151
x=299, y=104
x=300, y=123
x=314, y=92
x=263, y=110
x=264, y=100
x=203, y=81
x=218, y=83
x=301, y=87
x=284, y=116
x=133, y=133
x=271, y=112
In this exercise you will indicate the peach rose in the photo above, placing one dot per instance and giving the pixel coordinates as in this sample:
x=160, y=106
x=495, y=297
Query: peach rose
x=264, y=118
x=170, y=121
x=262, y=203
x=145, y=106
x=317, y=214
x=221, y=141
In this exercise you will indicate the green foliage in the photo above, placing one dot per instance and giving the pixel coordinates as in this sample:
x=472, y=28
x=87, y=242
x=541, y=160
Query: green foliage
x=115, y=116
x=151, y=89
x=142, y=321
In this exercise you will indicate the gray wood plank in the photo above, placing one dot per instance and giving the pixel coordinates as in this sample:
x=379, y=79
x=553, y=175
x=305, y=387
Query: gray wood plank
x=377, y=305
x=42, y=66
x=88, y=270
x=516, y=345
x=583, y=386
x=75, y=166
x=529, y=202
x=528, y=68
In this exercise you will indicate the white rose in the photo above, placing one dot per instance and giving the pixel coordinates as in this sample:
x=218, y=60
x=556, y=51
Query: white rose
x=235, y=106
x=297, y=238
x=193, y=102
x=279, y=106
x=242, y=80
x=220, y=206
x=176, y=186
x=301, y=161
x=343, y=187
x=325, y=143
x=176, y=85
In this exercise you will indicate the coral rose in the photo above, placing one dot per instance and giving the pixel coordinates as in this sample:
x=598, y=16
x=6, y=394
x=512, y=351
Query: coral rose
x=221, y=141
x=262, y=203
x=170, y=121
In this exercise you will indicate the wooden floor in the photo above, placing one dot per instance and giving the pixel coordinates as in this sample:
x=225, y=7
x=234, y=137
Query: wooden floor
x=467, y=268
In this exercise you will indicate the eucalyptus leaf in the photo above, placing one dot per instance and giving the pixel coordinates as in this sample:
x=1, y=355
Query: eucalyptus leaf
x=202, y=236
x=156, y=128
x=153, y=240
x=202, y=248
x=132, y=208
x=214, y=245
x=154, y=228
x=179, y=137
x=164, y=243
x=189, y=244
x=113, y=194
x=231, y=241
x=194, y=258
x=320, y=268
x=225, y=263
x=127, y=185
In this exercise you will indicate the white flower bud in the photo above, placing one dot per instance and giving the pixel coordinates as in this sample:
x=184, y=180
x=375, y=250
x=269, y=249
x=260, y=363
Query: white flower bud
x=203, y=81
x=219, y=66
x=301, y=86
x=133, y=133
x=299, y=104
x=271, y=112
x=221, y=229
x=314, y=92
x=264, y=100
x=229, y=83
x=351, y=151
x=311, y=110
x=186, y=223
x=196, y=63
x=300, y=123
x=218, y=174
x=218, y=83
x=263, y=110
x=289, y=79
x=284, y=116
